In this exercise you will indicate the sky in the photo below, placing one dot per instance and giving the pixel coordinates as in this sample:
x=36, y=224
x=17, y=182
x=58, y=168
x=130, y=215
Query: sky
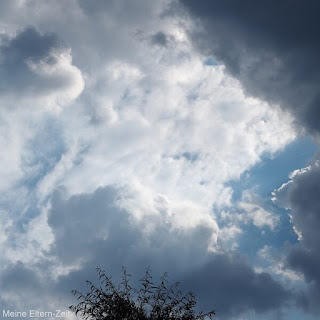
x=181, y=135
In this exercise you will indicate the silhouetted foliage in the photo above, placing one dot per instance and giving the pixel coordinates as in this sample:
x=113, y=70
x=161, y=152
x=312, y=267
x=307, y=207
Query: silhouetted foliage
x=120, y=301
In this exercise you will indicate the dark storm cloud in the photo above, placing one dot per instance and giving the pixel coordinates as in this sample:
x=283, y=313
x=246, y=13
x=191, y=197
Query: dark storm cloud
x=27, y=50
x=90, y=229
x=229, y=284
x=272, y=47
x=14, y=53
x=301, y=195
x=17, y=274
x=28, y=43
x=17, y=281
x=87, y=224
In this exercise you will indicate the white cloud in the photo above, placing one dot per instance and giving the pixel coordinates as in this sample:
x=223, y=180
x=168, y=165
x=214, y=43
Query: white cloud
x=37, y=71
x=157, y=118
x=153, y=117
x=67, y=77
x=254, y=212
x=155, y=122
x=174, y=137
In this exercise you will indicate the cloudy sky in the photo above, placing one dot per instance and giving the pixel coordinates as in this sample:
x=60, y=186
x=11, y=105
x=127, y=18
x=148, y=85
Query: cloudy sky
x=177, y=134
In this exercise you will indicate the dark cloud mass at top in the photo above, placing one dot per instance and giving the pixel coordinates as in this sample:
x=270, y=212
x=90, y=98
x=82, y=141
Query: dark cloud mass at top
x=272, y=47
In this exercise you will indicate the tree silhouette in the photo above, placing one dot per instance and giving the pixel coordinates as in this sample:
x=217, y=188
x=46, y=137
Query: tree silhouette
x=120, y=301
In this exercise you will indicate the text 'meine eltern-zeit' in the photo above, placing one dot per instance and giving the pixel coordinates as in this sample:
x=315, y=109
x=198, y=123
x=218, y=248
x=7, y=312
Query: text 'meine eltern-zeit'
x=36, y=314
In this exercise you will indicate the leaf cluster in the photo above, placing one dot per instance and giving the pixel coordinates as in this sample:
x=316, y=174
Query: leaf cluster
x=120, y=301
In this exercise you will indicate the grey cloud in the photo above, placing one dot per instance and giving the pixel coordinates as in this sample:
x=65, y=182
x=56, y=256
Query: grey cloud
x=14, y=53
x=96, y=6
x=88, y=224
x=15, y=275
x=161, y=39
x=225, y=283
x=301, y=196
x=91, y=230
x=28, y=43
x=21, y=288
x=29, y=66
x=85, y=225
x=130, y=13
x=229, y=284
x=307, y=262
x=271, y=47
